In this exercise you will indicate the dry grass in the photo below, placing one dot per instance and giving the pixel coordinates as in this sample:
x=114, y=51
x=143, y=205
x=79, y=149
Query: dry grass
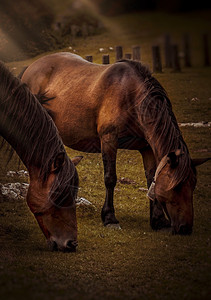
x=135, y=262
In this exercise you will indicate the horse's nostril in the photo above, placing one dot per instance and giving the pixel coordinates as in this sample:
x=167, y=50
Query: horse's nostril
x=71, y=246
x=53, y=246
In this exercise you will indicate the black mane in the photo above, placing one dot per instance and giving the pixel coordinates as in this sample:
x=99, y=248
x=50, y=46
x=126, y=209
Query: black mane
x=140, y=69
x=28, y=128
x=159, y=122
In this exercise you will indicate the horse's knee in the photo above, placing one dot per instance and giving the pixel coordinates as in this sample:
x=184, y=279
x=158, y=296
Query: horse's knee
x=110, y=180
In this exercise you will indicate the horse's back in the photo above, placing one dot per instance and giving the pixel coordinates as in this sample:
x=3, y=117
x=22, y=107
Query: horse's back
x=88, y=98
x=52, y=68
x=65, y=69
x=73, y=81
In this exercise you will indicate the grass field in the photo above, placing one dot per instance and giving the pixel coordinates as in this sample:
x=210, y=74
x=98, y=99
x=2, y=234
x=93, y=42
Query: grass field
x=135, y=262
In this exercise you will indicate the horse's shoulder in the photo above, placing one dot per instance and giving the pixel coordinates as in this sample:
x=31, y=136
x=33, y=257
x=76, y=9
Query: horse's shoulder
x=117, y=73
x=119, y=68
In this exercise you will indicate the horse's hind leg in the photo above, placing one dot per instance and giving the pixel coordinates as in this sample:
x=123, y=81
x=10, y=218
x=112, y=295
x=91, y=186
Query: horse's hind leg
x=157, y=217
x=109, y=151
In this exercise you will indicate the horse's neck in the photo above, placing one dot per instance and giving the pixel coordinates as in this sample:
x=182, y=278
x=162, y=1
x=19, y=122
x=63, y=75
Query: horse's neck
x=162, y=147
x=162, y=133
x=13, y=140
x=12, y=127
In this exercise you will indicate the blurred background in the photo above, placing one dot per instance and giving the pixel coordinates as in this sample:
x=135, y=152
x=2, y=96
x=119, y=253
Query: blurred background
x=136, y=262
x=28, y=28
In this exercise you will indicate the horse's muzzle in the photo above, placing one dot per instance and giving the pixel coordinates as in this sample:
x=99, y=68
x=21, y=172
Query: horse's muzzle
x=69, y=247
x=183, y=230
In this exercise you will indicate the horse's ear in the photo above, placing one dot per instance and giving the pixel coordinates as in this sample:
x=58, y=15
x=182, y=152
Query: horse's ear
x=58, y=162
x=199, y=161
x=172, y=158
x=76, y=160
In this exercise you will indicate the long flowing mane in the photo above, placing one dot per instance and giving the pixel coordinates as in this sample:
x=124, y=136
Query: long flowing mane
x=159, y=123
x=28, y=128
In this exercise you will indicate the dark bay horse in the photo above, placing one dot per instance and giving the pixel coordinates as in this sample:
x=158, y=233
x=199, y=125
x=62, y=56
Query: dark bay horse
x=27, y=127
x=100, y=108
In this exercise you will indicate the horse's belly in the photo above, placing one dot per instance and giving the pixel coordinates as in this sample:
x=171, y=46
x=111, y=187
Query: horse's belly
x=73, y=126
x=91, y=145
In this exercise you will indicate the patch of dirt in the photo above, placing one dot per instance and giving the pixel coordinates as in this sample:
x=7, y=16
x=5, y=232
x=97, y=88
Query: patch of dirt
x=124, y=180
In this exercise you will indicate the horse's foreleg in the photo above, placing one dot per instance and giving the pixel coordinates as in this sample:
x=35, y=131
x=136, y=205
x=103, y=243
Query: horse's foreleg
x=157, y=217
x=109, y=151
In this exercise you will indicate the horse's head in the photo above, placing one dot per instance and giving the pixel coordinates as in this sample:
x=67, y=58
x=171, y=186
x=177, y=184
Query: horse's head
x=176, y=197
x=52, y=202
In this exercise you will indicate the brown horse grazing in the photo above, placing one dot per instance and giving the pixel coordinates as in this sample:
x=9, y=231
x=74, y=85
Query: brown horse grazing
x=27, y=127
x=100, y=108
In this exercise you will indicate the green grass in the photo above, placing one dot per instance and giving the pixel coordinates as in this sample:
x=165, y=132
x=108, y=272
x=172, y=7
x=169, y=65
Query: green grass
x=135, y=262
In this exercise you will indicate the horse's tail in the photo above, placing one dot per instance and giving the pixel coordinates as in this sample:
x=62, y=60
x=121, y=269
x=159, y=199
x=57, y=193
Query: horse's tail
x=21, y=73
x=41, y=97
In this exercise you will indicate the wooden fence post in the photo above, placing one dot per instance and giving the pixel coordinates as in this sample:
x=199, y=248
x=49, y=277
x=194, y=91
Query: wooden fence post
x=89, y=58
x=136, y=53
x=175, y=59
x=157, y=66
x=105, y=59
x=206, y=50
x=187, y=59
x=119, y=52
x=167, y=51
x=128, y=55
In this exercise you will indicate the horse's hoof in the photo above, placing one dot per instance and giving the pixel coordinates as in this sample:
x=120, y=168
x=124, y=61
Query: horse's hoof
x=109, y=219
x=114, y=226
